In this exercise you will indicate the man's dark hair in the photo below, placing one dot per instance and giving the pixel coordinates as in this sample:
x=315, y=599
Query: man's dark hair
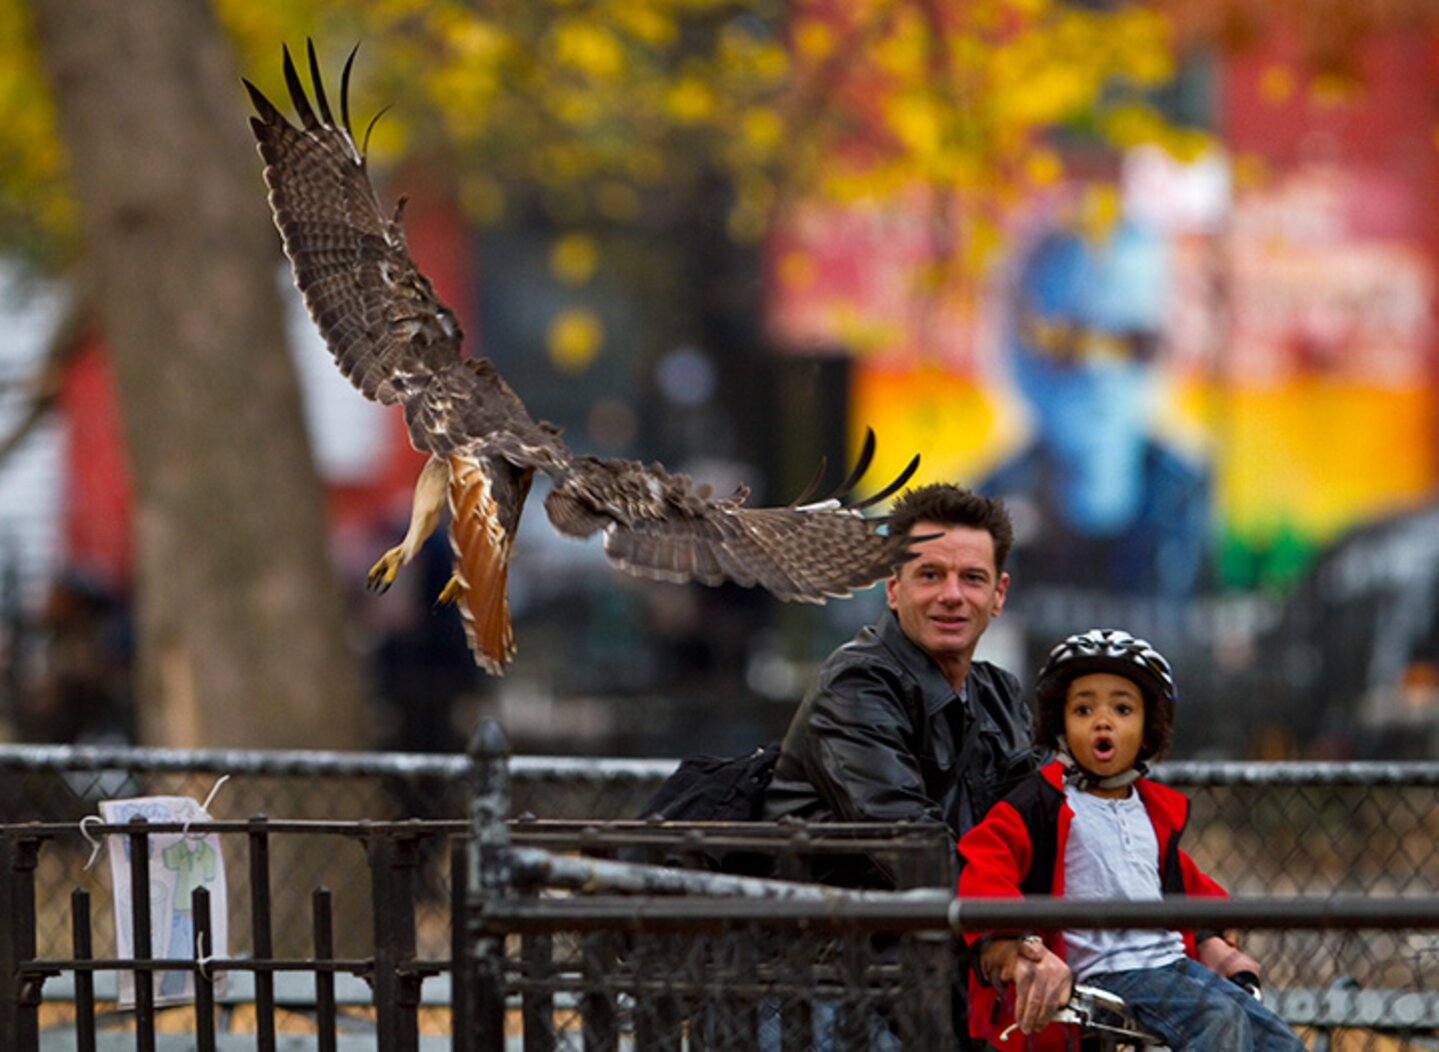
x=950, y=505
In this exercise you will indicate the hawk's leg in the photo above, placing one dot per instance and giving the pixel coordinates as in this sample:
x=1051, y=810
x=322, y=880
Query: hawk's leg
x=431, y=495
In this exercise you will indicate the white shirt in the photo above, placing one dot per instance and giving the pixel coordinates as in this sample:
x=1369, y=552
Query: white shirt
x=1112, y=854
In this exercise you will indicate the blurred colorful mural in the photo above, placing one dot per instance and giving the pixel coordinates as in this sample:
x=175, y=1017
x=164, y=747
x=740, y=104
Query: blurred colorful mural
x=1198, y=385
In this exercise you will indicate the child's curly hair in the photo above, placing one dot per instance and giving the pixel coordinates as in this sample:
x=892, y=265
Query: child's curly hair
x=1107, y=650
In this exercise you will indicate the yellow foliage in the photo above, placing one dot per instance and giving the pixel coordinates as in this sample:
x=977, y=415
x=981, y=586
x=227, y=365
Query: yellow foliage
x=471, y=41
x=813, y=40
x=1133, y=124
x=1028, y=9
x=1187, y=144
x=646, y=23
x=915, y=119
x=588, y=48
x=762, y=127
x=902, y=51
x=574, y=258
x=574, y=338
x=690, y=100
x=1043, y=168
x=595, y=104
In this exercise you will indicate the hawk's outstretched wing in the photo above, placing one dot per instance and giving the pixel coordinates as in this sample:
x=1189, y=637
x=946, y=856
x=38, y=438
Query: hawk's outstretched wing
x=395, y=341
x=660, y=525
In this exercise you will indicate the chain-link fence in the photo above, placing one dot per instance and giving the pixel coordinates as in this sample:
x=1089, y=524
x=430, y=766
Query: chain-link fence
x=1314, y=831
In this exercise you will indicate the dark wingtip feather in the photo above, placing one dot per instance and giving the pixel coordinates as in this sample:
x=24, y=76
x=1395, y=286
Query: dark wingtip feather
x=263, y=106
x=345, y=89
x=903, y=477
x=861, y=465
x=365, y=146
x=319, y=84
x=297, y=92
x=812, y=485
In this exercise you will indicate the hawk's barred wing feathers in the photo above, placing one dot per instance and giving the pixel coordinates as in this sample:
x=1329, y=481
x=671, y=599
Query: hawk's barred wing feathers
x=394, y=339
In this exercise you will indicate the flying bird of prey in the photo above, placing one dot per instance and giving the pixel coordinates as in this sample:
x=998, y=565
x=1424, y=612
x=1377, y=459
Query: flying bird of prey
x=395, y=341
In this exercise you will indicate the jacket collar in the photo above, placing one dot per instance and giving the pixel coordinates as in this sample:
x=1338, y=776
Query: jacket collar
x=934, y=687
x=1168, y=808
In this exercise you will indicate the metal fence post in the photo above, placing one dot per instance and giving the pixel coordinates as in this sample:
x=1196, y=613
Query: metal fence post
x=461, y=987
x=143, y=935
x=262, y=932
x=397, y=984
x=489, y=881
x=9, y=950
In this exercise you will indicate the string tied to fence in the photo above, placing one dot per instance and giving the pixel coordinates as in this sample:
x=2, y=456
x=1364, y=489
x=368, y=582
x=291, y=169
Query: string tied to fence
x=95, y=842
x=98, y=842
x=203, y=958
x=205, y=807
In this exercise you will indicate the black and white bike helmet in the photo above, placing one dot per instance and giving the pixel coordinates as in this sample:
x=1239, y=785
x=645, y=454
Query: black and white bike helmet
x=1108, y=650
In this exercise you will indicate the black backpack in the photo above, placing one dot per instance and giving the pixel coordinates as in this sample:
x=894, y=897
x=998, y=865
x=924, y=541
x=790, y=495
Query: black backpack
x=716, y=789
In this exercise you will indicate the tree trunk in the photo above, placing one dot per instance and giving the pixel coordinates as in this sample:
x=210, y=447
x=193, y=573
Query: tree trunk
x=241, y=633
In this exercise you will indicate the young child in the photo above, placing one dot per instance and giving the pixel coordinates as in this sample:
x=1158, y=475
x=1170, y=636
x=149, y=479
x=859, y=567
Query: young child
x=1091, y=826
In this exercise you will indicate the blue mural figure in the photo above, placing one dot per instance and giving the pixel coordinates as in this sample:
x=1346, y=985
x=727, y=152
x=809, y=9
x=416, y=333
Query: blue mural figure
x=1098, y=501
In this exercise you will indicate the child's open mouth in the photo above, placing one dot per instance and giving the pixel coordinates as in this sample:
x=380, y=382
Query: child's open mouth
x=1103, y=748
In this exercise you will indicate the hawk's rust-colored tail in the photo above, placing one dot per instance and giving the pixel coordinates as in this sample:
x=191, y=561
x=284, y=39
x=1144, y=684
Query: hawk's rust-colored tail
x=483, y=517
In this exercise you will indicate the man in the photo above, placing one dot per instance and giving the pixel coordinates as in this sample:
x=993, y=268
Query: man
x=902, y=723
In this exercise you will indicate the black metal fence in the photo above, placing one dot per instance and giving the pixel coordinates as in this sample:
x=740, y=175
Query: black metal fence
x=71, y=995
x=342, y=910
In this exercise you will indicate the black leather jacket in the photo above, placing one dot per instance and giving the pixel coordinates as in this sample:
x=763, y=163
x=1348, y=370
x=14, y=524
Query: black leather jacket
x=874, y=740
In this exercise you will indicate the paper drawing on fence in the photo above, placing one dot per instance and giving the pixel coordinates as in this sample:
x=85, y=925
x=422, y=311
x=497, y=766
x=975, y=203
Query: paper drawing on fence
x=179, y=863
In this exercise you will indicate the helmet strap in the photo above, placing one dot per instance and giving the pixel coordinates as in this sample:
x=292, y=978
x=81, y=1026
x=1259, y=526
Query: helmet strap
x=1083, y=778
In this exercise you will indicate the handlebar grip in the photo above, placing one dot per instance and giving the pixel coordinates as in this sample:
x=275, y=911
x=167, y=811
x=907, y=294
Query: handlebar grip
x=1247, y=981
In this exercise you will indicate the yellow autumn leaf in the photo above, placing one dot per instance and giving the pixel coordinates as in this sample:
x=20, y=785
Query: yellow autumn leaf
x=574, y=258
x=1133, y=124
x=589, y=48
x=761, y=127
x=902, y=51
x=1043, y=168
x=645, y=23
x=690, y=100
x=574, y=338
x=813, y=40
x=916, y=121
x=475, y=40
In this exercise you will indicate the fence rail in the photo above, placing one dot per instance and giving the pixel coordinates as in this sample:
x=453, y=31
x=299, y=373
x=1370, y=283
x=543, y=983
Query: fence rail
x=554, y=929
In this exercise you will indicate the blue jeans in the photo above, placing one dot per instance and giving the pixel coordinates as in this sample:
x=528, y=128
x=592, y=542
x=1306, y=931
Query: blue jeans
x=1194, y=1009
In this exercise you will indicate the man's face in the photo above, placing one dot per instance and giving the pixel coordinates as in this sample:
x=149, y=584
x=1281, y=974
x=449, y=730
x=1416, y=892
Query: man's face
x=946, y=595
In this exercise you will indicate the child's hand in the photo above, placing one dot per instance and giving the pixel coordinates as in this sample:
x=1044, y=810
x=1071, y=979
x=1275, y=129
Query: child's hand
x=1224, y=958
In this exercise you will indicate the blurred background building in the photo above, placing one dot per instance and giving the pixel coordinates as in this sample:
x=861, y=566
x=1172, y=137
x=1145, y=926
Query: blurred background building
x=1206, y=387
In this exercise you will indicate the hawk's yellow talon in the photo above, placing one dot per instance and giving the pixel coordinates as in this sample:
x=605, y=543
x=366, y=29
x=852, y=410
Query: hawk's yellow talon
x=382, y=574
x=450, y=593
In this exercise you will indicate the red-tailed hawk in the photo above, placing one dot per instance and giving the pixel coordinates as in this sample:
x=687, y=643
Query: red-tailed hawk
x=396, y=342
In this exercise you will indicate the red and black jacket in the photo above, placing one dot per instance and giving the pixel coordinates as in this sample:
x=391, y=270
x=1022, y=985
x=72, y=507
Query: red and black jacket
x=1019, y=850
